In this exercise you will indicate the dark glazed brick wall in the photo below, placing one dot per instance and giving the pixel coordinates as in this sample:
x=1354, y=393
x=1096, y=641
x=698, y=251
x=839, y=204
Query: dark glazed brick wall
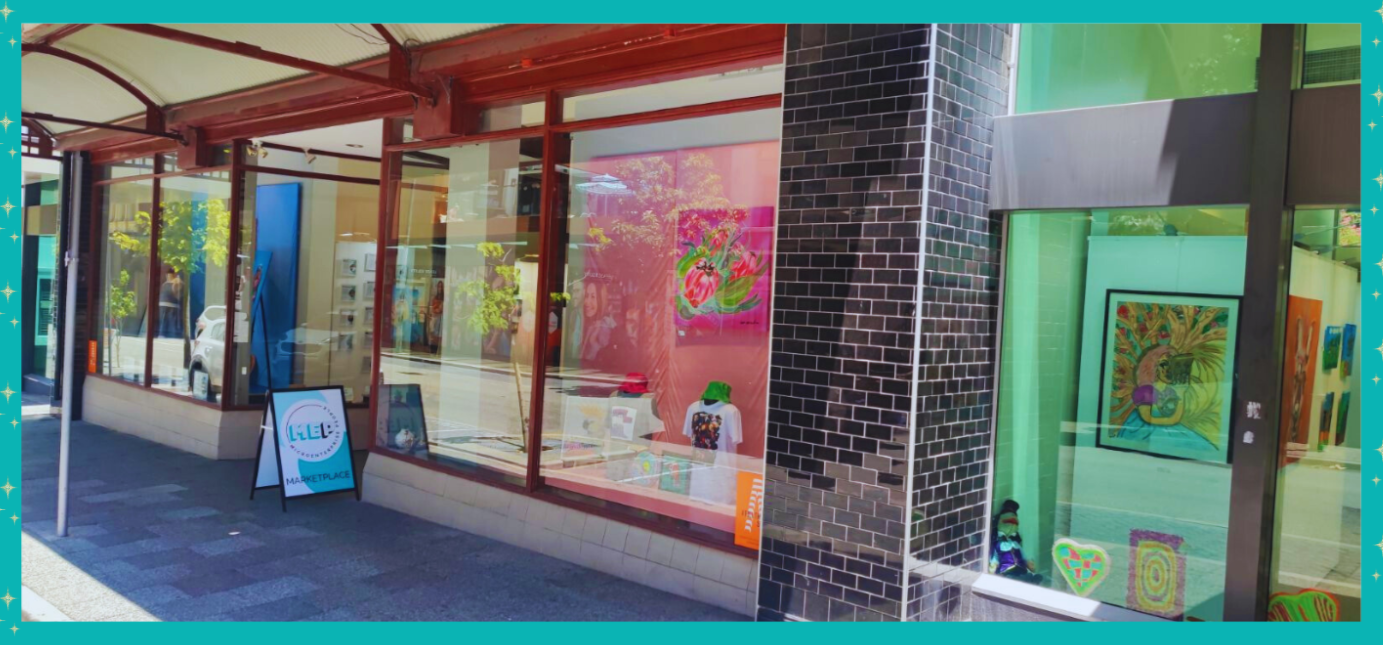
x=959, y=323
x=849, y=244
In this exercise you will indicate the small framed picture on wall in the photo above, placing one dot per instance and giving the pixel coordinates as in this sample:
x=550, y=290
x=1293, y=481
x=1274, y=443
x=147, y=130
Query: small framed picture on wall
x=350, y=268
x=348, y=293
x=370, y=262
x=347, y=317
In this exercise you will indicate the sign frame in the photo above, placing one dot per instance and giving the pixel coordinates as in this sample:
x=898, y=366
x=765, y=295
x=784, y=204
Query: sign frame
x=271, y=425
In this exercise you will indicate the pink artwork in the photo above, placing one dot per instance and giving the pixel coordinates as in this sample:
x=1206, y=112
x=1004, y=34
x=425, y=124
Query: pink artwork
x=722, y=277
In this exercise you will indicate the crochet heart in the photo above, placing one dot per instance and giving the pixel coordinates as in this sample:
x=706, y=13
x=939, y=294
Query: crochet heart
x=1084, y=566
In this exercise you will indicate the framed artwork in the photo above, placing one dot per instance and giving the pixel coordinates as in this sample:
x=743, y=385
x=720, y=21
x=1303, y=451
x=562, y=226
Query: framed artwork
x=1347, y=350
x=370, y=262
x=349, y=268
x=348, y=293
x=370, y=290
x=1298, y=378
x=1342, y=419
x=345, y=342
x=347, y=317
x=1327, y=411
x=1331, y=358
x=1167, y=374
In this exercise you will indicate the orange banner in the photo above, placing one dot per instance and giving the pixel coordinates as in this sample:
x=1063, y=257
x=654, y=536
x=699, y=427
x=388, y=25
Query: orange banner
x=91, y=357
x=749, y=510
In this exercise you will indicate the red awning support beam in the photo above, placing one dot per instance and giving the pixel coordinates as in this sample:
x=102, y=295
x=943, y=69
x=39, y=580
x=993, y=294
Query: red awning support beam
x=39, y=116
x=257, y=53
x=55, y=35
x=400, y=61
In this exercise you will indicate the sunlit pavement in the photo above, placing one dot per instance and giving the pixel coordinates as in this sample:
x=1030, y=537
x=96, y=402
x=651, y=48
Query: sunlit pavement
x=159, y=534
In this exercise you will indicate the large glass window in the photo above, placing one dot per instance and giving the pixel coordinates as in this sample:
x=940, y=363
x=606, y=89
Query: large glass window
x=657, y=365
x=123, y=324
x=193, y=249
x=1113, y=432
x=697, y=90
x=42, y=202
x=1062, y=67
x=307, y=275
x=459, y=329
x=1317, y=539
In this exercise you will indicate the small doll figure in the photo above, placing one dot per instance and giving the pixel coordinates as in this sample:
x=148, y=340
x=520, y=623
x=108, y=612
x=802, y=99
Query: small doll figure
x=1006, y=547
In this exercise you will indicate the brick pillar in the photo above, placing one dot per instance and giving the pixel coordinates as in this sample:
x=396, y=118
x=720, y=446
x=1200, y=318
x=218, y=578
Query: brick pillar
x=959, y=324
x=855, y=267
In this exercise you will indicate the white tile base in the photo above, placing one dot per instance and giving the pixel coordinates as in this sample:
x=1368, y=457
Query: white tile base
x=638, y=555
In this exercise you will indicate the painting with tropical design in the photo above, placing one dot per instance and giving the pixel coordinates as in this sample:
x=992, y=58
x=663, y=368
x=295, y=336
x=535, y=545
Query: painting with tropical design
x=1168, y=374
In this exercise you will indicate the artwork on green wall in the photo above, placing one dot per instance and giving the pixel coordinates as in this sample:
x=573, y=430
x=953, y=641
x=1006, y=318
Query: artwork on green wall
x=1347, y=351
x=1327, y=410
x=1342, y=419
x=1168, y=374
x=1331, y=354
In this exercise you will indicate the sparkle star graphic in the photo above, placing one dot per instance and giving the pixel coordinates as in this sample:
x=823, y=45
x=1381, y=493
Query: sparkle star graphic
x=1380, y=545
x=1375, y=42
x=1375, y=576
x=1375, y=295
x=1371, y=126
x=1375, y=481
x=9, y=292
x=1374, y=210
x=7, y=392
x=6, y=122
x=14, y=519
x=14, y=322
x=7, y=11
x=15, y=237
x=7, y=488
x=8, y=206
x=1375, y=380
x=7, y=598
x=14, y=423
x=1380, y=451
x=1379, y=179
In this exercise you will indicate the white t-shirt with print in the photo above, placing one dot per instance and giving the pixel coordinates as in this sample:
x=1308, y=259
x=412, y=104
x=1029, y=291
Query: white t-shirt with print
x=715, y=431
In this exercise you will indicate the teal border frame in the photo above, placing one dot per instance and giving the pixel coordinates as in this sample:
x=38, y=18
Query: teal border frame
x=804, y=11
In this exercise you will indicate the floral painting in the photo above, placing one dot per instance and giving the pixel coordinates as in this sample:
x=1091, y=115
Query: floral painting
x=722, y=275
x=1169, y=361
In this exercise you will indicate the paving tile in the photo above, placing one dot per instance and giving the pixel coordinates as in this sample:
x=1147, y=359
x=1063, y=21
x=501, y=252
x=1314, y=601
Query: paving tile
x=153, y=528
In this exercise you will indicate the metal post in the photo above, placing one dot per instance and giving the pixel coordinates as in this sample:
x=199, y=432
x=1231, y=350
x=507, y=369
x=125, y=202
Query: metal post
x=69, y=334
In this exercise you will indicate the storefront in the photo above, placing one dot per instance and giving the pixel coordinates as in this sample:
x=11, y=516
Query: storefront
x=866, y=297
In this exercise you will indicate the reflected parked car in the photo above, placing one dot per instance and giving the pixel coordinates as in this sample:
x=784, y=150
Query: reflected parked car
x=208, y=353
x=212, y=313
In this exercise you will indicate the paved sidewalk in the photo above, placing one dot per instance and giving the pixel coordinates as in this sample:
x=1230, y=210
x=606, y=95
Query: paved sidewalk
x=159, y=534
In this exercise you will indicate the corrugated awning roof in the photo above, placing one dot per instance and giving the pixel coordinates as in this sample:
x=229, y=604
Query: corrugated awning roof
x=171, y=73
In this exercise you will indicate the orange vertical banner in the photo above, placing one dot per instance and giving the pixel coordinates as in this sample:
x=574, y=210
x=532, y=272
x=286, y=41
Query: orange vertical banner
x=749, y=509
x=91, y=357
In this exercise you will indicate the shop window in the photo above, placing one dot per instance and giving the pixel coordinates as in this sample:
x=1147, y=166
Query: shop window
x=1112, y=448
x=658, y=344
x=192, y=257
x=123, y=323
x=1331, y=55
x=128, y=168
x=710, y=88
x=494, y=118
x=456, y=355
x=1062, y=67
x=220, y=156
x=42, y=206
x=284, y=157
x=1317, y=537
x=304, y=295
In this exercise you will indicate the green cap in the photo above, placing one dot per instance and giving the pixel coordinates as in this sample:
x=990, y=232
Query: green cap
x=717, y=391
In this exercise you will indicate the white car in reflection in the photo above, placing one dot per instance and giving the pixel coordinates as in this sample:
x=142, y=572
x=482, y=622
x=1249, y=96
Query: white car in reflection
x=208, y=352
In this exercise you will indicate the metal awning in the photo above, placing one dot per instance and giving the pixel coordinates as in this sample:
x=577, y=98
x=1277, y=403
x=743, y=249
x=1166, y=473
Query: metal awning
x=171, y=73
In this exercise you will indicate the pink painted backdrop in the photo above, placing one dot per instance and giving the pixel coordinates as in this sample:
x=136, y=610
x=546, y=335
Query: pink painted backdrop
x=622, y=274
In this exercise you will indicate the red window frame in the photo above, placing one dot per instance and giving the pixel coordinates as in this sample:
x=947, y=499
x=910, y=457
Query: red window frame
x=556, y=151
